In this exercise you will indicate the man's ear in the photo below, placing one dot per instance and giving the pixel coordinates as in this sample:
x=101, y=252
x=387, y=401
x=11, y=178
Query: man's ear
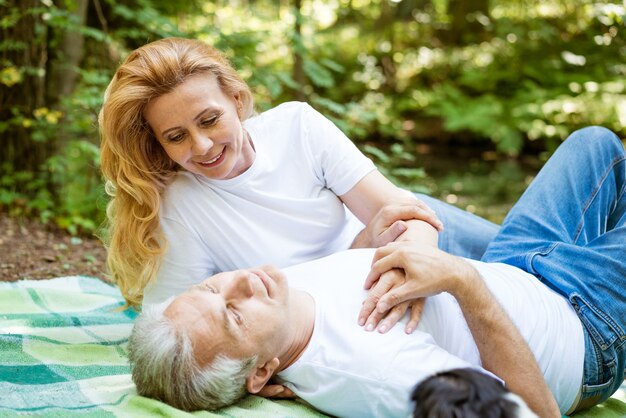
x=261, y=374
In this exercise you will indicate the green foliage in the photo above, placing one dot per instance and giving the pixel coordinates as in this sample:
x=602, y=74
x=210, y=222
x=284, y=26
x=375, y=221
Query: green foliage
x=68, y=189
x=398, y=165
x=75, y=172
x=383, y=71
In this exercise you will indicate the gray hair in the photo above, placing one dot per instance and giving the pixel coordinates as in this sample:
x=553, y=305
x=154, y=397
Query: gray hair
x=165, y=368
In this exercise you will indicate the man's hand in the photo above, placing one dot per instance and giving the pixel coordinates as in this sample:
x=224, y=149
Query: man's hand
x=390, y=222
x=276, y=391
x=371, y=317
x=403, y=272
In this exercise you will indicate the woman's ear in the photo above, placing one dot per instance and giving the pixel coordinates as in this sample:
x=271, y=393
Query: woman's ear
x=261, y=374
x=238, y=104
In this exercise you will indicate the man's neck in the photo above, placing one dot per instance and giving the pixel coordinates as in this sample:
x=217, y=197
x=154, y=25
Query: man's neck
x=302, y=321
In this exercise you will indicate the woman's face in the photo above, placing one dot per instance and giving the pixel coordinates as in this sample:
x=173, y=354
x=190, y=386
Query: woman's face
x=198, y=126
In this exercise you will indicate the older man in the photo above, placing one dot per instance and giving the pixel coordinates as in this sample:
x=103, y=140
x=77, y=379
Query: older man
x=237, y=330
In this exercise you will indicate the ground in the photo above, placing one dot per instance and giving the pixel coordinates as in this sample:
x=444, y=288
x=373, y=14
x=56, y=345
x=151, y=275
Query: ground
x=30, y=250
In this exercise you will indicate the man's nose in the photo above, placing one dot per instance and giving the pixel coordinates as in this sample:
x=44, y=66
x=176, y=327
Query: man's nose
x=201, y=144
x=241, y=286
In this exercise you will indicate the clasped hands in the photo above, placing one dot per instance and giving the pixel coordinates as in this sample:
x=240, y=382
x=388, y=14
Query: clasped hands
x=407, y=266
x=404, y=273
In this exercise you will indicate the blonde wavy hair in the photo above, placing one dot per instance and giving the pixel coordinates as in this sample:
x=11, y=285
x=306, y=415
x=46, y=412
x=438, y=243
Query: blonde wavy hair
x=135, y=166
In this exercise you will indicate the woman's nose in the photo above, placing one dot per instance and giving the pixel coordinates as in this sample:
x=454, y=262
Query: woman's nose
x=201, y=144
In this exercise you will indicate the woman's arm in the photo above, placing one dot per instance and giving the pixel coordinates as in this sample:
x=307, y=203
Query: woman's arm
x=389, y=213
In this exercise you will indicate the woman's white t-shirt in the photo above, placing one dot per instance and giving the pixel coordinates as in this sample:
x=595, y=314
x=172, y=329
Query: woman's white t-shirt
x=283, y=210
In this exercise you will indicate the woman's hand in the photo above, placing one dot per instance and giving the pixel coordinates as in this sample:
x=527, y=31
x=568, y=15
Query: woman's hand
x=403, y=273
x=390, y=222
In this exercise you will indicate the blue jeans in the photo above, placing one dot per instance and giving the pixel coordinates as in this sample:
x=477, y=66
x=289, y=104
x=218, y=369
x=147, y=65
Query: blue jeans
x=465, y=234
x=569, y=230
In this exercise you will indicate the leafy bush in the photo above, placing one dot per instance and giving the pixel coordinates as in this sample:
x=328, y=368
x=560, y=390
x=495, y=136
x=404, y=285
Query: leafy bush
x=383, y=71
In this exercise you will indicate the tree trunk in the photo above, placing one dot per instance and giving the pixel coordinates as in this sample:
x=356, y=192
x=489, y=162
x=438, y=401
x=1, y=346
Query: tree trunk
x=66, y=57
x=24, y=51
x=385, y=21
x=465, y=27
x=298, y=60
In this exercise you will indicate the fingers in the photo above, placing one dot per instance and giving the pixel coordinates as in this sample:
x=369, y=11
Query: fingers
x=392, y=298
x=417, y=308
x=431, y=215
x=372, y=320
x=286, y=393
x=371, y=278
x=276, y=392
x=373, y=296
x=416, y=210
x=390, y=234
x=385, y=258
x=391, y=318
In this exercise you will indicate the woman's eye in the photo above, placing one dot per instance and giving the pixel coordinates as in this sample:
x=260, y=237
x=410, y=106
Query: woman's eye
x=209, y=122
x=176, y=138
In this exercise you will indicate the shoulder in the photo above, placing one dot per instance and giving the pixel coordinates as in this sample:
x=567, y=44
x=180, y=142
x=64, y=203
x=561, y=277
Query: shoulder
x=291, y=108
x=180, y=189
x=181, y=182
x=287, y=112
x=288, y=123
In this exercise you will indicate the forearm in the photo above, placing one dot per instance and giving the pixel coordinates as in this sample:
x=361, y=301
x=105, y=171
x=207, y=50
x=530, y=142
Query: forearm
x=420, y=233
x=417, y=232
x=503, y=350
x=362, y=240
x=385, y=210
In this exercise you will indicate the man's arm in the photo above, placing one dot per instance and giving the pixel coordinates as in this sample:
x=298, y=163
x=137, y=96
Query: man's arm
x=429, y=271
x=503, y=350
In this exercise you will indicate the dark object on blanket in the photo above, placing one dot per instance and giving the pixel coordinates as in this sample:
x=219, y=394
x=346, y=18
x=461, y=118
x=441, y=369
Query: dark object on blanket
x=464, y=393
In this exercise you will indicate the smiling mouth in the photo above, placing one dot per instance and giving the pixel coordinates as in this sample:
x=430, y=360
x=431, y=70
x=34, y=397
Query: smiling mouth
x=265, y=280
x=213, y=161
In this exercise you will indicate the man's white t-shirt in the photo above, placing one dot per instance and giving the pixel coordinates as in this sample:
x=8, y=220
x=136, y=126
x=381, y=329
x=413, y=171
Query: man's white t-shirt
x=283, y=210
x=348, y=372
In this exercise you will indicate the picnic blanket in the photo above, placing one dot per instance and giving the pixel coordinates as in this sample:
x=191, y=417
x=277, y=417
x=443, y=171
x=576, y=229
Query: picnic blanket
x=63, y=354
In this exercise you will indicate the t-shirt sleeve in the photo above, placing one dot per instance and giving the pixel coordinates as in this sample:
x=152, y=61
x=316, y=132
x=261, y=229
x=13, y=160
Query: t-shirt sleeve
x=185, y=263
x=338, y=163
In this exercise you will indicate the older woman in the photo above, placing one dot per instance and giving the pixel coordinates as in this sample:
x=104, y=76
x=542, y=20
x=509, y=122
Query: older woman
x=200, y=184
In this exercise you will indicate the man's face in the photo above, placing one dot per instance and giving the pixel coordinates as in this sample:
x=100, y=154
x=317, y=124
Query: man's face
x=237, y=314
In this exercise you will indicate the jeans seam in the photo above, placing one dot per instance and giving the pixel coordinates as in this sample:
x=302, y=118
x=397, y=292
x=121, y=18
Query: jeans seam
x=621, y=192
x=528, y=259
x=594, y=194
x=615, y=328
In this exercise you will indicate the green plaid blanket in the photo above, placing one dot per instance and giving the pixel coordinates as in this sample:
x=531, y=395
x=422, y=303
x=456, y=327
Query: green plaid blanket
x=63, y=354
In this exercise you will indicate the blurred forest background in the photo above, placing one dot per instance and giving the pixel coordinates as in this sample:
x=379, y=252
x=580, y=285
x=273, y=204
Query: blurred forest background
x=460, y=99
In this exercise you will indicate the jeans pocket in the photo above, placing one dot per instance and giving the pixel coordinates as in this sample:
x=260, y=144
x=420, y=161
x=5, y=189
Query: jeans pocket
x=590, y=390
x=592, y=395
x=600, y=326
